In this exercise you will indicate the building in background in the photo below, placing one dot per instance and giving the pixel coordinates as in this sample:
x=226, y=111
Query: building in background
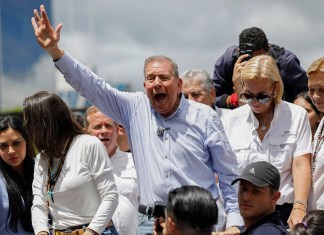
x=24, y=67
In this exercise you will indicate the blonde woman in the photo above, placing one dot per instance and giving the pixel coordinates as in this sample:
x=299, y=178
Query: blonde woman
x=316, y=93
x=269, y=129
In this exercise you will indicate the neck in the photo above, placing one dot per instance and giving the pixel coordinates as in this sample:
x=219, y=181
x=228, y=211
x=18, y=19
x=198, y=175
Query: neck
x=248, y=222
x=113, y=151
x=262, y=117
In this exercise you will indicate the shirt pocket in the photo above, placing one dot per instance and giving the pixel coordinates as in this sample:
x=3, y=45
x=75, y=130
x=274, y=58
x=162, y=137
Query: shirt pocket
x=281, y=152
x=242, y=152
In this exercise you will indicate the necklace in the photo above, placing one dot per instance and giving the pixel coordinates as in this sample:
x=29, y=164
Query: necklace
x=54, y=172
x=319, y=142
x=264, y=124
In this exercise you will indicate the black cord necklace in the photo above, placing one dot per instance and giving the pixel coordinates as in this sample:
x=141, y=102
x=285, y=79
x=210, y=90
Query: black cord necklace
x=53, y=173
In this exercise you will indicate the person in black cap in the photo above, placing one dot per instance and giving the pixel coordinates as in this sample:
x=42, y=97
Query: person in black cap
x=257, y=197
x=252, y=42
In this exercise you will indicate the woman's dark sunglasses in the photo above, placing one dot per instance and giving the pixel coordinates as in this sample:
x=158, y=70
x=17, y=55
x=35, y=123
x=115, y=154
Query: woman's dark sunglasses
x=247, y=97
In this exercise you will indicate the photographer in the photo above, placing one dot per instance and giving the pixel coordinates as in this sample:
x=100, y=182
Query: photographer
x=190, y=210
x=228, y=68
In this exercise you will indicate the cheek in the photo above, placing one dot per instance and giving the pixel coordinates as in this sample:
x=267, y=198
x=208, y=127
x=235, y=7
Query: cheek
x=312, y=118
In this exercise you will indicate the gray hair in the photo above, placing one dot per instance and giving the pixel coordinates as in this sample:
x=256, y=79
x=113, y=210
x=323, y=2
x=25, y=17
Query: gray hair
x=201, y=75
x=160, y=58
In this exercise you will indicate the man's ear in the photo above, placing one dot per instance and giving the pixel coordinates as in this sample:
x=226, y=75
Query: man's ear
x=276, y=196
x=171, y=226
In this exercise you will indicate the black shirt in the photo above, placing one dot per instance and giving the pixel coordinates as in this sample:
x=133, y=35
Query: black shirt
x=270, y=224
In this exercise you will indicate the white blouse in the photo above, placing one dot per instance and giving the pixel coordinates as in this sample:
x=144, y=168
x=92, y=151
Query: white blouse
x=85, y=191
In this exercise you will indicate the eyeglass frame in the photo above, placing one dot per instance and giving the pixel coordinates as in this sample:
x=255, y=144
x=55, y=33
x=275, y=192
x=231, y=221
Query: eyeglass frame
x=266, y=98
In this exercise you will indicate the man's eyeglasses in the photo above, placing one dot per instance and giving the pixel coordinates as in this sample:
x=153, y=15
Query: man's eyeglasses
x=247, y=97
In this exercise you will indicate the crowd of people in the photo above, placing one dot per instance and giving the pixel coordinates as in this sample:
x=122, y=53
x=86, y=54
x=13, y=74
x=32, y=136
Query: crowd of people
x=237, y=153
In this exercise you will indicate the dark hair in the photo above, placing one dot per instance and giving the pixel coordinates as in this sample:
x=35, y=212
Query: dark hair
x=312, y=224
x=306, y=97
x=49, y=123
x=19, y=189
x=192, y=206
x=256, y=36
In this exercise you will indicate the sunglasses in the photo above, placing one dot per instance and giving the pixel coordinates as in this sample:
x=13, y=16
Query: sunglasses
x=247, y=97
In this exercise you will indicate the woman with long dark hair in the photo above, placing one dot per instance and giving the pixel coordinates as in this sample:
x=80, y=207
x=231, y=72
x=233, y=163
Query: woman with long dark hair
x=312, y=224
x=16, y=177
x=73, y=179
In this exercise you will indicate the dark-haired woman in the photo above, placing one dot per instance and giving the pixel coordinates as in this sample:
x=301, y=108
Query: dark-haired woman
x=312, y=224
x=314, y=115
x=16, y=177
x=73, y=179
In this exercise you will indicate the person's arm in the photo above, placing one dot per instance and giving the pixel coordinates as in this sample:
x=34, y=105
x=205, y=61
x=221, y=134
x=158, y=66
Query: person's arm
x=46, y=36
x=222, y=77
x=97, y=159
x=225, y=166
x=39, y=210
x=301, y=171
x=293, y=76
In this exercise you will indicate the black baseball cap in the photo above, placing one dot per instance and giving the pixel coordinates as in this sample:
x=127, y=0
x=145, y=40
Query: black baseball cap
x=261, y=174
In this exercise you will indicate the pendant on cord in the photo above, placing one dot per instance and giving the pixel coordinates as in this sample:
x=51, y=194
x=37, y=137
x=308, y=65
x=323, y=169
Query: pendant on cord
x=263, y=126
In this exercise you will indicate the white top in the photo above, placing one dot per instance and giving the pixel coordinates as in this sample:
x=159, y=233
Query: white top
x=316, y=197
x=222, y=112
x=289, y=136
x=85, y=191
x=125, y=216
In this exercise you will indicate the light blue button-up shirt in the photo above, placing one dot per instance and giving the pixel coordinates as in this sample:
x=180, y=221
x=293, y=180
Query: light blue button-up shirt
x=190, y=151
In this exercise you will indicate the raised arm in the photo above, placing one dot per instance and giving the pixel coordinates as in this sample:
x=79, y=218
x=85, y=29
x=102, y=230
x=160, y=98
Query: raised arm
x=46, y=36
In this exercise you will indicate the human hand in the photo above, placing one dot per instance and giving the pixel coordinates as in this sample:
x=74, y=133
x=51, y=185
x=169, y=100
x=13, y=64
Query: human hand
x=238, y=67
x=159, y=225
x=296, y=216
x=46, y=36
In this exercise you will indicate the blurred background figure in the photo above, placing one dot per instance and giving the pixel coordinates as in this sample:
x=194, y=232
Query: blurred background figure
x=16, y=177
x=312, y=224
x=314, y=115
x=253, y=42
x=198, y=86
x=79, y=118
x=103, y=127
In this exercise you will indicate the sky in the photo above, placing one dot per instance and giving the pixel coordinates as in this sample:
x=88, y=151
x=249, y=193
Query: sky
x=114, y=37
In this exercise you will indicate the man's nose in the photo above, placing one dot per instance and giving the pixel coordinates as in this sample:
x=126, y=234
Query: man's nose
x=103, y=130
x=157, y=81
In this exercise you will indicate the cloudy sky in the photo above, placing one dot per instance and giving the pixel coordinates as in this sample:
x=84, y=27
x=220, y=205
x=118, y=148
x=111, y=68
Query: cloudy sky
x=115, y=36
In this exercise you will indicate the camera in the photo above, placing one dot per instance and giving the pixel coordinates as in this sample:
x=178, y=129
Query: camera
x=246, y=48
x=158, y=210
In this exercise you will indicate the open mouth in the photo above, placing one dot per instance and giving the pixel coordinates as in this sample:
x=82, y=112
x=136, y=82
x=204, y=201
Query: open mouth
x=159, y=97
x=105, y=140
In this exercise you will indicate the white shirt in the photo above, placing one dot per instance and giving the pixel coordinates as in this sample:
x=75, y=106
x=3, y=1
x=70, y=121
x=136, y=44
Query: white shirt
x=316, y=197
x=289, y=136
x=125, y=216
x=85, y=191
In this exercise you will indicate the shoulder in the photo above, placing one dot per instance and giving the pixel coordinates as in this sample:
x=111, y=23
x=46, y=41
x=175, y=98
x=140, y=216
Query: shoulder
x=269, y=228
x=237, y=114
x=291, y=108
x=199, y=109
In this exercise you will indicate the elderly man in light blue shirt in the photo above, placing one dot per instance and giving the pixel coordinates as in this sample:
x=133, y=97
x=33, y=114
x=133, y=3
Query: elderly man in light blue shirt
x=174, y=141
